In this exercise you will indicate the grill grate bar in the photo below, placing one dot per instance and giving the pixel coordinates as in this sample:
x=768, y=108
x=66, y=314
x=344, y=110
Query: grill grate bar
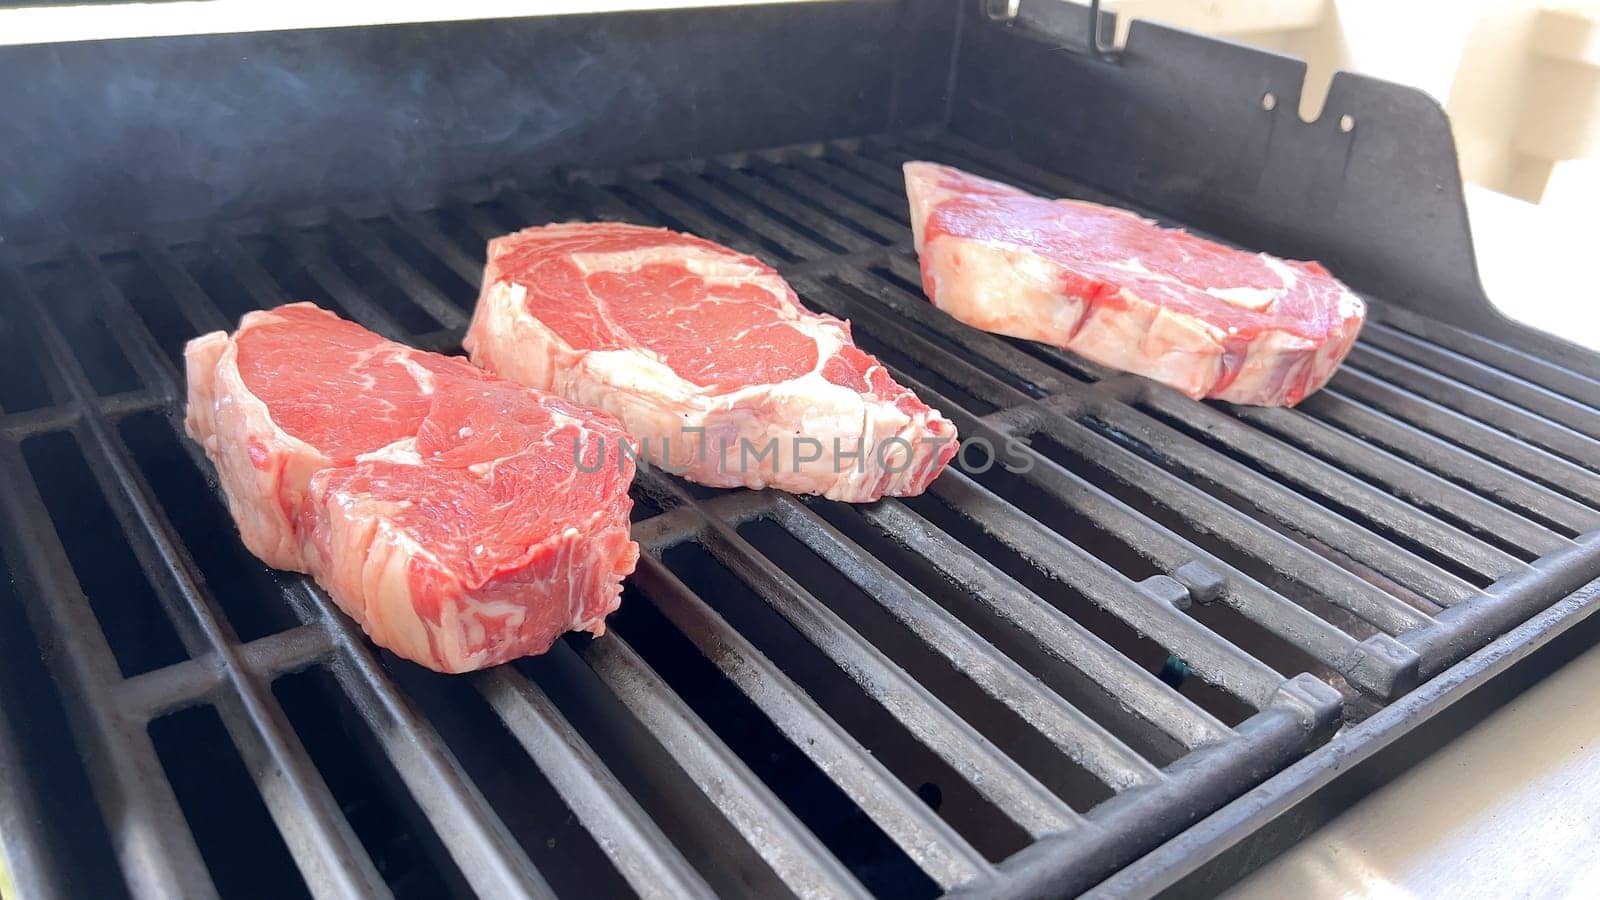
x=485, y=852
x=1402, y=479
x=155, y=850
x=1328, y=482
x=419, y=289
x=530, y=210
x=753, y=216
x=1211, y=656
x=883, y=181
x=330, y=857
x=944, y=855
x=1504, y=386
x=1576, y=382
x=651, y=196
x=31, y=868
x=186, y=294
x=475, y=837
x=1195, y=460
x=1014, y=792
x=631, y=840
x=1272, y=611
x=768, y=828
x=1077, y=736
x=803, y=184
x=760, y=193
x=1492, y=443
x=887, y=206
x=478, y=220
x=1531, y=427
x=338, y=285
x=263, y=289
x=1166, y=714
x=424, y=233
x=602, y=204
x=1375, y=428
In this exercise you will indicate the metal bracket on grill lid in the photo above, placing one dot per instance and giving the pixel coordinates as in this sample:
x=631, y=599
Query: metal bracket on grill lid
x=1068, y=26
x=1180, y=126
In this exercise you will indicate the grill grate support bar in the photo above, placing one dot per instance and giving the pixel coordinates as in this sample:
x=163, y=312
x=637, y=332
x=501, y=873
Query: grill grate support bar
x=201, y=678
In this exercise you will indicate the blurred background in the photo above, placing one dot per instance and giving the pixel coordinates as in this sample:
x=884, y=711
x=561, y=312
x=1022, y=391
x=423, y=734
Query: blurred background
x=1520, y=80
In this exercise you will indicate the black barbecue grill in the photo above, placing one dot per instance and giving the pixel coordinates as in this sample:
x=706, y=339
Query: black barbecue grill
x=1181, y=637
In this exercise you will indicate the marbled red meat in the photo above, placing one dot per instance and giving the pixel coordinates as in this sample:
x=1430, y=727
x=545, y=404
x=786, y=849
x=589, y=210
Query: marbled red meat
x=707, y=357
x=444, y=509
x=1122, y=291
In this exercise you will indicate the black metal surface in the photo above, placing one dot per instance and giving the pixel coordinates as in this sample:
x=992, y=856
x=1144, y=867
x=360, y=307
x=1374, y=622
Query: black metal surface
x=1231, y=843
x=957, y=692
x=111, y=135
x=1016, y=684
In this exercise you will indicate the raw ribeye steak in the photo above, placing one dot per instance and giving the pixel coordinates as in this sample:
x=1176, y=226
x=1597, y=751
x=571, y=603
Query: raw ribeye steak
x=1122, y=291
x=708, y=359
x=463, y=520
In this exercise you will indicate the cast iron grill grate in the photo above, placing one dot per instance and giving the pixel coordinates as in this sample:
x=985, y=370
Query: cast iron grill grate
x=1019, y=680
